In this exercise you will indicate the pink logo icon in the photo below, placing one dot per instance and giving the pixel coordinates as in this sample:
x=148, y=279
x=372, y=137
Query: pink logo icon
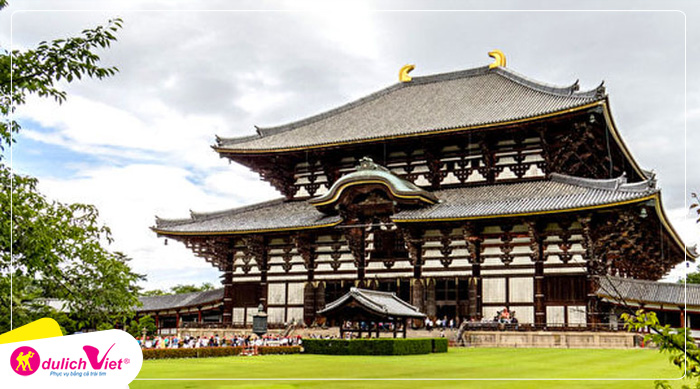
x=25, y=361
x=92, y=354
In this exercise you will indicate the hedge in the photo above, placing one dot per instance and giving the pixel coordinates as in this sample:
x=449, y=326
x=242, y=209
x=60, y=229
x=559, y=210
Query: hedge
x=210, y=352
x=386, y=346
x=440, y=345
x=267, y=350
x=204, y=352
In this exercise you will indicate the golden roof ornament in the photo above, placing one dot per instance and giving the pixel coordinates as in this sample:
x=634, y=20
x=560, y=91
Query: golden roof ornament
x=403, y=73
x=500, y=59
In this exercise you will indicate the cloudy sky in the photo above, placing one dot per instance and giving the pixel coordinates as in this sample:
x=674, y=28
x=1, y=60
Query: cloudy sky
x=138, y=144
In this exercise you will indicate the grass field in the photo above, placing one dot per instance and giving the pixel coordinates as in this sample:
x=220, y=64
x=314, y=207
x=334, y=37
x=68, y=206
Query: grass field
x=458, y=363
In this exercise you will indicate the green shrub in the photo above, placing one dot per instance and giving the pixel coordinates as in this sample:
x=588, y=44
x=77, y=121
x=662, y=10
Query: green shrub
x=382, y=346
x=205, y=352
x=267, y=350
x=440, y=345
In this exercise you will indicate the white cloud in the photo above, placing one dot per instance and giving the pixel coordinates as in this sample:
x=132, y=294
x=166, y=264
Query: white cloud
x=185, y=77
x=128, y=199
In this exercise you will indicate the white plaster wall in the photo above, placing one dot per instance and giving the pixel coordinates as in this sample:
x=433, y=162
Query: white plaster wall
x=295, y=314
x=555, y=315
x=238, y=315
x=275, y=294
x=494, y=290
x=525, y=315
x=521, y=290
x=296, y=293
x=577, y=314
x=275, y=315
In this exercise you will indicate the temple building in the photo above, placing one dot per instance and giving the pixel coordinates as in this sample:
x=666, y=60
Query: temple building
x=462, y=193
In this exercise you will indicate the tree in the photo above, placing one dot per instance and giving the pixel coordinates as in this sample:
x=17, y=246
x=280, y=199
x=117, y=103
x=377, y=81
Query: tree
x=154, y=292
x=135, y=328
x=694, y=278
x=182, y=289
x=677, y=342
x=49, y=249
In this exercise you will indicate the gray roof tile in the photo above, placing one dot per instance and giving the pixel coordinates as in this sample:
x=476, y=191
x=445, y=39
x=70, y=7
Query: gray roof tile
x=381, y=303
x=431, y=103
x=275, y=214
x=162, y=303
x=559, y=193
x=649, y=292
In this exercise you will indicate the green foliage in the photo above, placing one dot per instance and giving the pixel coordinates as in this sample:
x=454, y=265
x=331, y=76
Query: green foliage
x=205, y=352
x=57, y=252
x=692, y=278
x=440, y=345
x=381, y=346
x=676, y=342
x=695, y=206
x=36, y=71
x=50, y=249
x=135, y=328
x=270, y=350
x=153, y=292
x=182, y=289
x=179, y=289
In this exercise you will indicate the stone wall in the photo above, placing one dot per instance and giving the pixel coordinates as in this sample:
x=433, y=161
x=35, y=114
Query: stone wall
x=546, y=339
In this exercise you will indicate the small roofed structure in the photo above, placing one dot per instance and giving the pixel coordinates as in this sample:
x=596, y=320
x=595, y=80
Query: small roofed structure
x=362, y=307
x=675, y=304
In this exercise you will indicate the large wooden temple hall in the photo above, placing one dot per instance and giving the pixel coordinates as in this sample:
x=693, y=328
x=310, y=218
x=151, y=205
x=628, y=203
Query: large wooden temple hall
x=462, y=192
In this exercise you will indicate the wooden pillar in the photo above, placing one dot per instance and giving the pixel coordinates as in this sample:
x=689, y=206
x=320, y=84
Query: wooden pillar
x=356, y=243
x=682, y=317
x=199, y=314
x=227, y=314
x=430, y=303
x=537, y=248
x=473, y=239
x=177, y=319
x=306, y=246
x=257, y=244
x=594, y=270
x=414, y=241
x=405, y=326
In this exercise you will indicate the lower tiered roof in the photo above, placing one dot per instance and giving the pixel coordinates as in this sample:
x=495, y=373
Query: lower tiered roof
x=560, y=193
x=175, y=301
x=635, y=292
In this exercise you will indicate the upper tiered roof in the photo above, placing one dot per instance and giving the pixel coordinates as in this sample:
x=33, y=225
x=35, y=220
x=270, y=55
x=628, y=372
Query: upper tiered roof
x=455, y=101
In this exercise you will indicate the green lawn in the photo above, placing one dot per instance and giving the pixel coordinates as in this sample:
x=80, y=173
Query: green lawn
x=457, y=363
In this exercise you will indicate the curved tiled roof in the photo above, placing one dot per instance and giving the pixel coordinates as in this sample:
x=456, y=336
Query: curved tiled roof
x=453, y=100
x=560, y=193
x=370, y=172
x=614, y=289
x=173, y=301
x=276, y=214
x=384, y=304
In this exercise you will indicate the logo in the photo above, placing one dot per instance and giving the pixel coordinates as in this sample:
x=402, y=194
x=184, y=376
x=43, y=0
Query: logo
x=92, y=354
x=25, y=361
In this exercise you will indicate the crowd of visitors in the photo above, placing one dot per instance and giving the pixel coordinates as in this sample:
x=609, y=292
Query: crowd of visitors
x=159, y=342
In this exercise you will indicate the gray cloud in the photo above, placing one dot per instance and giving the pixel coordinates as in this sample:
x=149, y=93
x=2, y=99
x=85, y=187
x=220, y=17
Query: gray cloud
x=239, y=69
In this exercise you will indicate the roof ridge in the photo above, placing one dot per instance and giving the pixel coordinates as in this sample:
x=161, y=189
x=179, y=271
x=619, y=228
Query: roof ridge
x=184, y=294
x=611, y=184
x=567, y=91
x=200, y=216
x=564, y=91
